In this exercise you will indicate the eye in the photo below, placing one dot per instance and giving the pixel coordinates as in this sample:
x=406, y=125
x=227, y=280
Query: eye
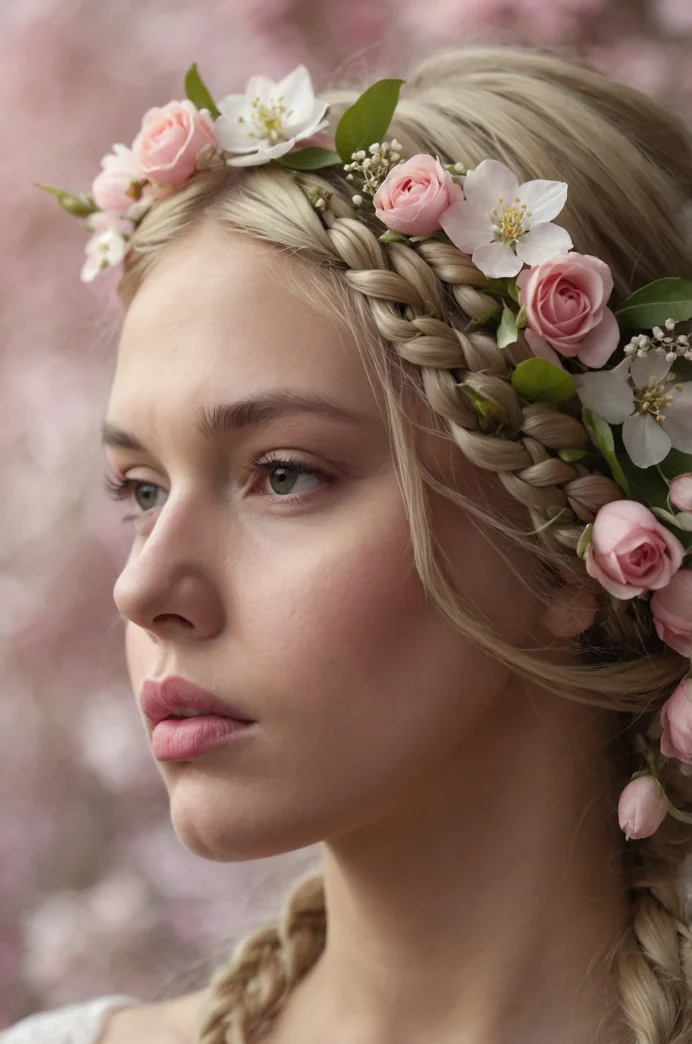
x=282, y=472
x=124, y=489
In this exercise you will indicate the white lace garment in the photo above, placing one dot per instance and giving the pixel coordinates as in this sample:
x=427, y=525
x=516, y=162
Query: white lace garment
x=80, y=1023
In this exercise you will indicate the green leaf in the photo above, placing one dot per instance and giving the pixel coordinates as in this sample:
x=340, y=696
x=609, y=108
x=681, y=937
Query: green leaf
x=507, y=331
x=367, y=120
x=522, y=320
x=676, y=463
x=683, y=520
x=392, y=236
x=486, y=410
x=494, y=286
x=653, y=304
x=585, y=539
x=198, y=92
x=645, y=484
x=312, y=158
x=77, y=206
x=573, y=456
x=487, y=317
x=601, y=435
x=513, y=291
x=538, y=380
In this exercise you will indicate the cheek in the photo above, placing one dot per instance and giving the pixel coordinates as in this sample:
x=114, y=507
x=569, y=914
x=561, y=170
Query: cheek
x=341, y=602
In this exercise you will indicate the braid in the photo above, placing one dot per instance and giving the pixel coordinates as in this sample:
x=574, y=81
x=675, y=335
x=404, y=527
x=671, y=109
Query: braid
x=655, y=961
x=405, y=290
x=246, y=993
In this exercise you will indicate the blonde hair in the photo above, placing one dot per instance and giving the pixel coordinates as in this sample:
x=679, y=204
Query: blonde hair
x=628, y=163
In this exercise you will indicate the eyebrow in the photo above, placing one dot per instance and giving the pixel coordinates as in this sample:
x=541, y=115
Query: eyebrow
x=226, y=417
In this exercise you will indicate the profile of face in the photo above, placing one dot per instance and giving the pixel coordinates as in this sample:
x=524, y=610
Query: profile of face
x=273, y=564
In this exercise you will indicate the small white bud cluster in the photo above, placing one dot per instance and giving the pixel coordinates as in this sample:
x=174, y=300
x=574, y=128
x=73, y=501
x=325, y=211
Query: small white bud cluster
x=369, y=171
x=661, y=342
x=319, y=198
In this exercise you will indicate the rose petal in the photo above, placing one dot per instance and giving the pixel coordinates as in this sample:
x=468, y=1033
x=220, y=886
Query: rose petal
x=608, y=393
x=542, y=242
x=540, y=347
x=496, y=260
x=468, y=227
x=600, y=343
x=618, y=590
x=645, y=441
x=544, y=199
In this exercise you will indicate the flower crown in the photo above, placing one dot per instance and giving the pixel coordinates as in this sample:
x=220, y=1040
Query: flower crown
x=626, y=368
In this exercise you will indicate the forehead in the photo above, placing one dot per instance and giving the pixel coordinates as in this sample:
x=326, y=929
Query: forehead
x=223, y=316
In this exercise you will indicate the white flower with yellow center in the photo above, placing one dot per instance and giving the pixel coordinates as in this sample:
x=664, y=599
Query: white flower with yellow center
x=107, y=246
x=654, y=409
x=503, y=224
x=268, y=120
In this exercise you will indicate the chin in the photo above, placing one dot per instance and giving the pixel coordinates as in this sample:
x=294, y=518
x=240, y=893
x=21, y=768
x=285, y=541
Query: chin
x=230, y=830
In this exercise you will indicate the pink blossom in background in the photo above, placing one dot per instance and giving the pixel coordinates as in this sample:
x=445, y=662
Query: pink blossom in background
x=92, y=877
x=674, y=15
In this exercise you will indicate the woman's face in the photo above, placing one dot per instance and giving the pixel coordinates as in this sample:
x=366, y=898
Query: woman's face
x=291, y=595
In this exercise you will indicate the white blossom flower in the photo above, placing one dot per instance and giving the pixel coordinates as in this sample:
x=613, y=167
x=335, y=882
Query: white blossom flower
x=641, y=394
x=267, y=121
x=107, y=246
x=503, y=224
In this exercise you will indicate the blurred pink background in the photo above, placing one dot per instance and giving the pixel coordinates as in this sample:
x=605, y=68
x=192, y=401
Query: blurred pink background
x=96, y=893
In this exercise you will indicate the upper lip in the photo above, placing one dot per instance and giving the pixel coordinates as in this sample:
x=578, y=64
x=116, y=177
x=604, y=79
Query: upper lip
x=160, y=699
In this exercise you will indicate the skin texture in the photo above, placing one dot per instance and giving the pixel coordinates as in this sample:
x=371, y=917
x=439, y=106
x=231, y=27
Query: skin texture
x=470, y=862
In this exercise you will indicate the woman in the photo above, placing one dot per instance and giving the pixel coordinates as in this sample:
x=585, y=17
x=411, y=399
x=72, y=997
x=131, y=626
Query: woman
x=400, y=562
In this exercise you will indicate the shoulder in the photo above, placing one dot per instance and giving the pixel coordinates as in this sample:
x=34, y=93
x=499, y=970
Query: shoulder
x=145, y=1023
x=162, y=1022
x=80, y=1023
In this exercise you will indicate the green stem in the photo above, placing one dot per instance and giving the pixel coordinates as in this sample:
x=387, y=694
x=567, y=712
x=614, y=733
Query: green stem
x=682, y=817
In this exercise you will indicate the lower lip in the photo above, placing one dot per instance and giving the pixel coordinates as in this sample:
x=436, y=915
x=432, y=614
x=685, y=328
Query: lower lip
x=190, y=737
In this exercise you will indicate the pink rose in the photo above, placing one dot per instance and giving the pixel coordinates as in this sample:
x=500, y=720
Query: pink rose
x=414, y=195
x=642, y=807
x=166, y=148
x=114, y=189
x=565, y=300
x=672, y=610
x=681, y=492
x=630, y=551
x=676, y=721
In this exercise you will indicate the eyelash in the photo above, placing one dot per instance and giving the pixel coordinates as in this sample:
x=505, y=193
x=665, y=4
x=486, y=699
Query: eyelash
x=121, y=489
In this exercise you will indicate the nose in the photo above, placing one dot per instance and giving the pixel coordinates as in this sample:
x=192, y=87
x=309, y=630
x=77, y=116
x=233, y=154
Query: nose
x=170, y=584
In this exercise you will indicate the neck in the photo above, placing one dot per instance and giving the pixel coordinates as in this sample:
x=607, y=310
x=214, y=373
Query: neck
x=483, y=907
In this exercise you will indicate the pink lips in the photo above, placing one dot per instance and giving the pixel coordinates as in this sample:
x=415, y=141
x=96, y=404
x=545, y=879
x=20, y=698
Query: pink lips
x=174, y=738
x=164, y=699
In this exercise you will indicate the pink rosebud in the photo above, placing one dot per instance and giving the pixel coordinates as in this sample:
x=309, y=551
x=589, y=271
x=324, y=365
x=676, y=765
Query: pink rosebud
x=414, y=195
x=114, y=189
x=565, y=300
x=672, y=611
x=630, y=551
x=676, y=721
x=166, y=148
x=642, y=807
x=681, y=492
